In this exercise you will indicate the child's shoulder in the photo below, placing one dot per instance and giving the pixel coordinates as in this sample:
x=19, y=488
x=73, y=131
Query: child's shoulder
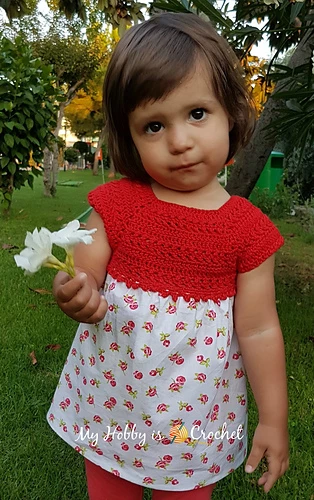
x=115, y=190
x=245, y=211
x=114, y=185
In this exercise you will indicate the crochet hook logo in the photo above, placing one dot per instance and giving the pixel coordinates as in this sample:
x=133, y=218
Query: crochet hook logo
x=178, y=433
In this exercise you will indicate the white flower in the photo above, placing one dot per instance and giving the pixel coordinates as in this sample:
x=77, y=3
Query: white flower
x=71, y=234
x=39, y=244
x=37, y=252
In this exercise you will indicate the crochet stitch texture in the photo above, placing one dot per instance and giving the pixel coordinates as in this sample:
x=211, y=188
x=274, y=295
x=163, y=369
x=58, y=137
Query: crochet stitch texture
x=181, y=251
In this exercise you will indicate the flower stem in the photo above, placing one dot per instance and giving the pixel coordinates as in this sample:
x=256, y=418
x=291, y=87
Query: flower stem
x=54, y=263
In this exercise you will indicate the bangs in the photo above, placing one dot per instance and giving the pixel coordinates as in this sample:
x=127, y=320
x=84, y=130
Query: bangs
x=159, y=64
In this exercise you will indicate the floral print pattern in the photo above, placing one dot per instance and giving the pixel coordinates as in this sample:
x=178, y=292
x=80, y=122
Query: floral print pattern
x=154, y=363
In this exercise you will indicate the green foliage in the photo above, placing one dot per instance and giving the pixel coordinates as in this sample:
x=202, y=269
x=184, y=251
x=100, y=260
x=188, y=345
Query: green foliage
x=85, y=111
x=297, y=113
x=72, y=58
x=15, y=8
x=292, y=22
x=27, y=115
x=122, y=13
x=299, y=171
x=81, y=146
x=278, y=204
x=71, y=155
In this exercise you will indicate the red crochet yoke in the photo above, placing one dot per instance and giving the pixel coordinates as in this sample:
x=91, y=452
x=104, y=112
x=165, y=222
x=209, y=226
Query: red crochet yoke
x=181, y=251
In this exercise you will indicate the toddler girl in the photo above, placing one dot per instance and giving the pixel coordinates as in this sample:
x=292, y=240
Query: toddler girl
x=153, y=392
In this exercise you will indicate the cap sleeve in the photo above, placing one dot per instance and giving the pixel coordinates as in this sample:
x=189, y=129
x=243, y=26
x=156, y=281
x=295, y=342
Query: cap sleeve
x=108, y=201
x=261, y=239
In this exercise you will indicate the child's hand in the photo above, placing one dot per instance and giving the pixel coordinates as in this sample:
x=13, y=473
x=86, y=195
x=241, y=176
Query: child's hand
x=78, y=299
x=271, y=443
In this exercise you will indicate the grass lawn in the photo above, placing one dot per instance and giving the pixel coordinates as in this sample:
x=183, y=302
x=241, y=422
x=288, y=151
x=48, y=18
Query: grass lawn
x=35, y=463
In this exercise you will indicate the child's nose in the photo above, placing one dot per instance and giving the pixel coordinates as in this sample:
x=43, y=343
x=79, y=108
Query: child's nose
x=179, y=140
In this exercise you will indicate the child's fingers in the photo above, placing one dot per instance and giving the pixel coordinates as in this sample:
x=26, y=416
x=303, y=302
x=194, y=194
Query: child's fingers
x=84, y=297
x=85, y=305
x=268, y=479
x=254, y=458
x=66, y=288
x=276, y=469
x=99, y=313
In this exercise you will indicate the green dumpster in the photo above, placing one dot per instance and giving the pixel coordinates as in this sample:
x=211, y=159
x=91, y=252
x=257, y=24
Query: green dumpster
x=272, y=172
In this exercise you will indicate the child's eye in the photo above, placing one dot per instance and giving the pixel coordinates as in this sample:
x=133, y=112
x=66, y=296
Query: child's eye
x=153, y=128
x=198, y=114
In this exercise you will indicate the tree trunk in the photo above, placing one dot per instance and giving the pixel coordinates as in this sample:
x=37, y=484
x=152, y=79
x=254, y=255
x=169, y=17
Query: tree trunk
x=55, y=169
x=112, y=170
x=47, y=172
x=251, y=160
x=55, y=158
x=51, y=164
x=98, y=148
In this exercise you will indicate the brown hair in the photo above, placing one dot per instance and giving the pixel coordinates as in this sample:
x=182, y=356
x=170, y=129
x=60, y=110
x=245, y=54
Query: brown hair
x=153, y=58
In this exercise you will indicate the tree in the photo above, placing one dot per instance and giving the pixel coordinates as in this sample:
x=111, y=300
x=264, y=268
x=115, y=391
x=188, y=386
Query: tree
x=74, y=59
x=290, y=108
x=85, y=111
x=286, y=23
x=71, y=155
x=121, y=14
x=27, y=114
x=15, y=9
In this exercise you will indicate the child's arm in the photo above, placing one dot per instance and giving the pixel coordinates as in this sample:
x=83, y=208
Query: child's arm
x=78, y=297
x=261, y=344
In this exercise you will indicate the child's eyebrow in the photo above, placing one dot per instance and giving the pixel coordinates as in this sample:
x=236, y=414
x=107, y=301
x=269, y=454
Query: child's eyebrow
x=147, y=114
x=200, y=103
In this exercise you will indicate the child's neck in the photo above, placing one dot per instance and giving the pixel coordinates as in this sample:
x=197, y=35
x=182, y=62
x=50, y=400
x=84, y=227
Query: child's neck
x=210, y=197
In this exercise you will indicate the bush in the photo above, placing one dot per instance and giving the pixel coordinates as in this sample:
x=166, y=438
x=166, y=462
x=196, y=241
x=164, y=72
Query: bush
x=278, y=204
x=82, y=147
x=27, y=115
x=89, y=157
x=71, y=155
x=301, y=173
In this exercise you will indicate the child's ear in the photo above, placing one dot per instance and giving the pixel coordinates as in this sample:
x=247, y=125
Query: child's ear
x=231, y=124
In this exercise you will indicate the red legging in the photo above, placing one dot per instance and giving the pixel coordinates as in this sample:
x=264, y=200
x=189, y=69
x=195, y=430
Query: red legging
x=103, y=485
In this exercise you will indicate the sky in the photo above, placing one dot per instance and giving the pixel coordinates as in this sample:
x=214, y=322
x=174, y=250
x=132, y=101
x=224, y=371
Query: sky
x=262, y=50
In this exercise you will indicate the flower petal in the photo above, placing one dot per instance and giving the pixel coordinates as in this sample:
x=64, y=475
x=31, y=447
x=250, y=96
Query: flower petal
x=70, y=235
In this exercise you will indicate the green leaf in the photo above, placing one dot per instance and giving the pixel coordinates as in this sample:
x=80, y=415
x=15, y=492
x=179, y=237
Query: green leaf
x=39, y=119
x=34, y=141
x=10, y=125
x=213, y=14
x=19, y=126
x=30, y=180
x=295, y=10
x=21, y=117
x=29, y=123
x=29, y=96
x=9, y=140
x=19, y=155
x=7, y=106
x=4, y=161
x=25, y=143
x=12, y=167
x=170, y=5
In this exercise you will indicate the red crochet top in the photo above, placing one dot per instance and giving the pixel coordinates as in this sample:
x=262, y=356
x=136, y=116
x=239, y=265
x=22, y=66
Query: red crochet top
x=181, y=251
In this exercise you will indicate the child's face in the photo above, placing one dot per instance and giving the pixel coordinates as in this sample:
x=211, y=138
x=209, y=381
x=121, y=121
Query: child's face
x=183, y=139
